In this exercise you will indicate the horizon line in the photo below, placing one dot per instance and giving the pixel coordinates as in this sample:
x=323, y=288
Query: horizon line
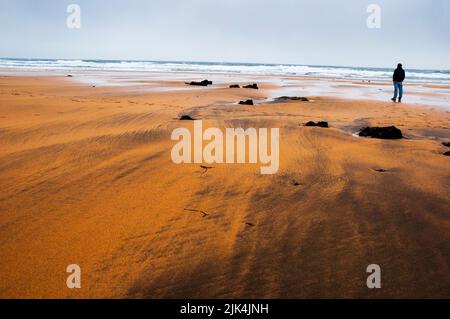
x=224, y=62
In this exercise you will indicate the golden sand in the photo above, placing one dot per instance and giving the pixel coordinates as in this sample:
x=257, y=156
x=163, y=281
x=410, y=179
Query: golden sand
x=86, y=178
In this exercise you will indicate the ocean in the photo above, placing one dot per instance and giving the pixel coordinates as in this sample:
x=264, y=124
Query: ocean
x=335, y=72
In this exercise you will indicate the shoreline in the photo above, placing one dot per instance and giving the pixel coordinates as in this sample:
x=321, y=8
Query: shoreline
x=420, y=93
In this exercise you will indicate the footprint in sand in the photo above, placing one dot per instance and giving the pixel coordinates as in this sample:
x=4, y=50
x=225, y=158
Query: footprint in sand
x=205, y=168
x=204, y=214
x=295, y=183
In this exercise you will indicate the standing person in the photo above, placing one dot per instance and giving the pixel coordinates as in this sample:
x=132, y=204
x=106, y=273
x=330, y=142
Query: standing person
x=399, y=77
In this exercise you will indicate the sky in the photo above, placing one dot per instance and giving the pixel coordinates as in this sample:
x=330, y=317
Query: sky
x=314, y=32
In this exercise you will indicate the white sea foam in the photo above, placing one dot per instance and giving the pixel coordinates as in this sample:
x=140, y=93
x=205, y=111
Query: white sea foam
x=354, y=73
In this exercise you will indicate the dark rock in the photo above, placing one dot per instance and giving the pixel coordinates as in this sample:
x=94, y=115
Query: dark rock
x=447, y=153
x=202, y=83
x=388, y=133
x=446, y=144
x=251, y=86
x=318, y=124
x=235, y=86
x=291, y=98
x=248, y=102
x=70, y=76
x=186, y=118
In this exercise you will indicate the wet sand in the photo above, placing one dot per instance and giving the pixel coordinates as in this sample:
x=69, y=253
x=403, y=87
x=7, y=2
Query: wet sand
x=86, y=178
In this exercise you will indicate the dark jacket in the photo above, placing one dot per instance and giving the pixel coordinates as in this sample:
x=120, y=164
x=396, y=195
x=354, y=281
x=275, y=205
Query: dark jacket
x=399, y=75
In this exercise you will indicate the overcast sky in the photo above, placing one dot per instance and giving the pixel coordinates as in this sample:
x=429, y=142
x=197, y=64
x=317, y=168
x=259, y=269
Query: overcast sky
x=318, y=32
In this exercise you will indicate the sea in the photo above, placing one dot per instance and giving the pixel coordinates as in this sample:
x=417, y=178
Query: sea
x=320, y=71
